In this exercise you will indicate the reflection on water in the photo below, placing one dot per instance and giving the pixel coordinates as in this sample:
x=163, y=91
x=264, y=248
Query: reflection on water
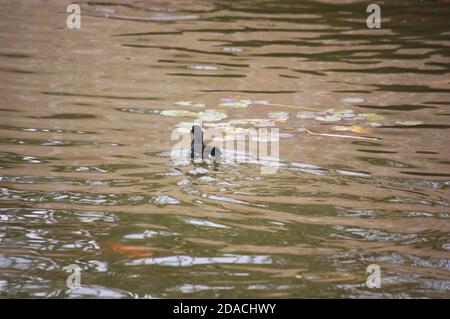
x=85, y=126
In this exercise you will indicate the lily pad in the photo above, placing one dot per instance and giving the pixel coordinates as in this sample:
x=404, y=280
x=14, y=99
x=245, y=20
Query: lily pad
x=306, y=115
x=328, y=118
x=278, y=115
x=235, y=104
x=246, y=101
x=211, y=116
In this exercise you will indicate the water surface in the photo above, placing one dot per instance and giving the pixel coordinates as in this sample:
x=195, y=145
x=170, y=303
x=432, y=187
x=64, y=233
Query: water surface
x=84, y=179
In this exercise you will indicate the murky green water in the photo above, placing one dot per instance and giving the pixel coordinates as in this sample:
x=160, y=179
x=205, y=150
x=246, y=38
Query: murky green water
x=84, y=179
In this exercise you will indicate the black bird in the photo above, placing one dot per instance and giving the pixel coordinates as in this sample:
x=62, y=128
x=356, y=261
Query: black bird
x=199, y=149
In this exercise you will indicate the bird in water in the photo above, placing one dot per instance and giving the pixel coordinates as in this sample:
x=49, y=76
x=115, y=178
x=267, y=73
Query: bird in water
x=199, y=149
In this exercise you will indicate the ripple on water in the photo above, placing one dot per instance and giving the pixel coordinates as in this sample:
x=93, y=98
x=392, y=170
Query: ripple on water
x=186, y=261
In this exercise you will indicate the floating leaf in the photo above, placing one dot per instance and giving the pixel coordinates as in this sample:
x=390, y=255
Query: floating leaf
x=211, y=116
x=408, y=123
x=178, y=113
x=278, y=115
x=237, y=102
x=306, y=115
x=328, y=118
